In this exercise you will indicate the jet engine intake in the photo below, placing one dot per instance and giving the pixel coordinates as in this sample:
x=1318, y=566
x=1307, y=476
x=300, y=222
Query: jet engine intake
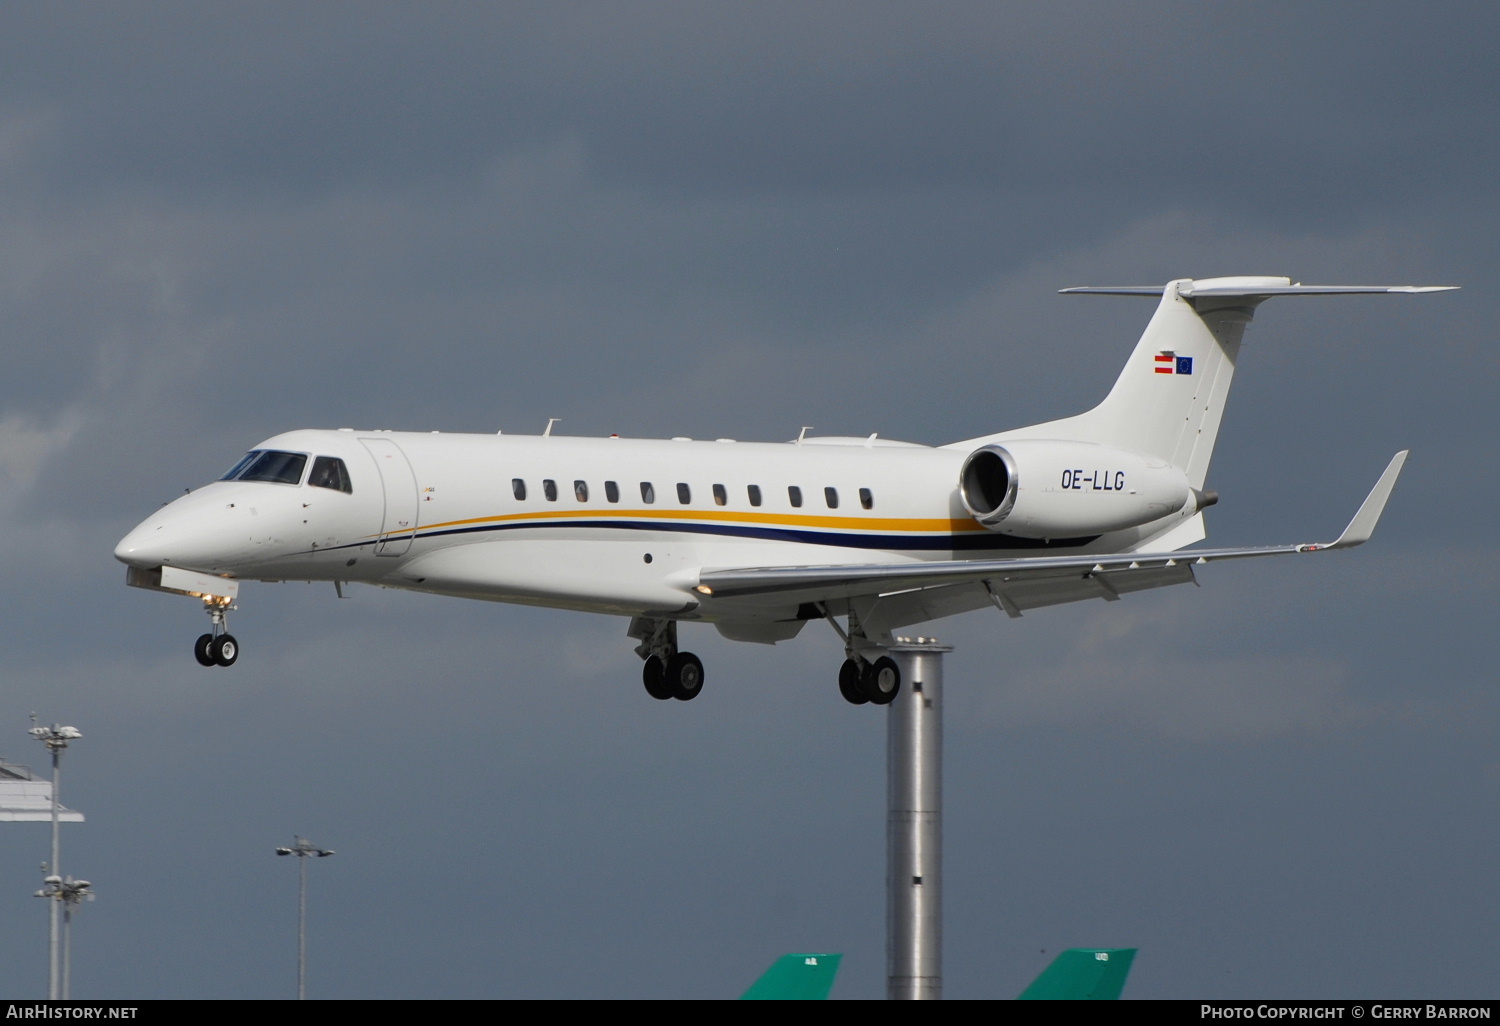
x=1037, y=488
x=989, y=485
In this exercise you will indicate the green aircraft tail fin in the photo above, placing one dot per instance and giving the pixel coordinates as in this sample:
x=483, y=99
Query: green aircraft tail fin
x=796, y=978
x=1082, y=974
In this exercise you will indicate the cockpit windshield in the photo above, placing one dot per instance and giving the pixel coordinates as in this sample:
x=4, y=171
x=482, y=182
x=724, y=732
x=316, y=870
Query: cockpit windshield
x=268, y=465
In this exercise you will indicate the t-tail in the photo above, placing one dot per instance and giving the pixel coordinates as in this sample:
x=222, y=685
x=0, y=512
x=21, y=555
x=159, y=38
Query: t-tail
x=1169, y=399
x=1083, y=974
x=807, y=977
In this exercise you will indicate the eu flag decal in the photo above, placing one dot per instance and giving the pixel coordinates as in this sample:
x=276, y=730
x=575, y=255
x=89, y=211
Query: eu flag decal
x=1168, y=362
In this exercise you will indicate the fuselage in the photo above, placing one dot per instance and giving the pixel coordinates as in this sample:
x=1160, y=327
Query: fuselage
x=610, y=525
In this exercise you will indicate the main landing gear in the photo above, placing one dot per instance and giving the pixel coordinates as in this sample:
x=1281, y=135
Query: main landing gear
x=670, y=673
x=218, y=647
x=860, y=679
x=680, y=677
x=667, y=673
x=877, y=683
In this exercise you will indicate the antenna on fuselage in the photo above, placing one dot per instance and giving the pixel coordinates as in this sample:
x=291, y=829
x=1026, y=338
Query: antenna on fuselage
x=803, y=433
x=550, y=421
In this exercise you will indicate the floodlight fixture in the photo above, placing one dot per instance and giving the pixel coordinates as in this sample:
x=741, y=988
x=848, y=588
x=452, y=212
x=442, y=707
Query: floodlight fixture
x=69, y=893
x=56, y=738
x=303, y=850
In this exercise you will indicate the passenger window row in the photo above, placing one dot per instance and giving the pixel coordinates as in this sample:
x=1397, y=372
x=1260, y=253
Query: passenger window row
x=684, y=493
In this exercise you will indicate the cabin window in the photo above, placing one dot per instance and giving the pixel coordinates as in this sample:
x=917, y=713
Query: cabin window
x=831, y=496
x=795, y=495
x=330, y=472
x=866, y=498
x=269, y=465
x=581, y=491
x=721, y=497
x=518, y=489
x=648, y=493
x=549, y=489
x=754, y=491
x=684, y=493
x=611, y=491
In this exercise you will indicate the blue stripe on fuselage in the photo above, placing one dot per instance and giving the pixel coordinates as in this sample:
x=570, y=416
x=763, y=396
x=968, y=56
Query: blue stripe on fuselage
x=986, y=542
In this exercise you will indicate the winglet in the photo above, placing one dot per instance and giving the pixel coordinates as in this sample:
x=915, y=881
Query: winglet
x=796, y=978
x=1083, y=974
x=1363, y=525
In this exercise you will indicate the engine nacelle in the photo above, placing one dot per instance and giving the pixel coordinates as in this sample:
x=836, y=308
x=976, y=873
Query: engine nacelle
x=1035, y=488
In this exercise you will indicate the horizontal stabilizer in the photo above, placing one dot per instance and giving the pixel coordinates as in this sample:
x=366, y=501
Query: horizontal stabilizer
x=1246, y=286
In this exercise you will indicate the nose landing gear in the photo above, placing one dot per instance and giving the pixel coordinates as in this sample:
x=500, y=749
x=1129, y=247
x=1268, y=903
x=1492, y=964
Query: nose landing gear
x=218, y=647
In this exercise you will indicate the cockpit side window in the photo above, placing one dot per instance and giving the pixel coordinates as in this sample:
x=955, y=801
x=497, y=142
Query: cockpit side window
x=245, y=460
x=330, y=472
x=270, y=465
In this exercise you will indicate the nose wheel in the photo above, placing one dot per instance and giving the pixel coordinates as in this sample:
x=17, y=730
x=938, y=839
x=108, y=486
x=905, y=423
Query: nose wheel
x=218, y=647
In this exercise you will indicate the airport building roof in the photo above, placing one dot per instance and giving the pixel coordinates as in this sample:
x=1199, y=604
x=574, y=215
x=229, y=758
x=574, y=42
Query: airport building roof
x=24, y=798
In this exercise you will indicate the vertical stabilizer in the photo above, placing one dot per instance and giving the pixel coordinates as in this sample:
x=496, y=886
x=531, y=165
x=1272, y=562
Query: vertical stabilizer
x=796, y=978
x=1169, y=400
x=1083, y=974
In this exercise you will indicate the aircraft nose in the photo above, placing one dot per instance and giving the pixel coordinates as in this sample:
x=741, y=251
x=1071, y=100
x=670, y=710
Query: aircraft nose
x=188, y=533
x=143, y=546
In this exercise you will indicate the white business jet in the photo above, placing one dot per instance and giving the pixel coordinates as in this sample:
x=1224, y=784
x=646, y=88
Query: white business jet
x=756, y=539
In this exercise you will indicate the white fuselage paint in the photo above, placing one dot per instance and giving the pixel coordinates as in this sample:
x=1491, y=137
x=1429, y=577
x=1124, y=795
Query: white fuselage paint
x=437, y=512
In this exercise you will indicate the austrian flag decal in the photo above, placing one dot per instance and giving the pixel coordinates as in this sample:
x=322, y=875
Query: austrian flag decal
x=1168, y=362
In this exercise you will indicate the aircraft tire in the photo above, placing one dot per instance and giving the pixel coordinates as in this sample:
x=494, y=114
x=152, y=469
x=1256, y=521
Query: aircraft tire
x=881, y=682
x=201, y=650
x=849, y=687
x=684, y=676
x=654, y=675
x=224, y=649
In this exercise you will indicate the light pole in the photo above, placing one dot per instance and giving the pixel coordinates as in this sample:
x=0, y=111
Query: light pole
x=69, y=892
x=56, y=738
x=303, y=850
x=914, y=825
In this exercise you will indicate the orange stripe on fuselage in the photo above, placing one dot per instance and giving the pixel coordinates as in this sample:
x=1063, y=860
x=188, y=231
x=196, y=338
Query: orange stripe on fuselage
x=910, y=525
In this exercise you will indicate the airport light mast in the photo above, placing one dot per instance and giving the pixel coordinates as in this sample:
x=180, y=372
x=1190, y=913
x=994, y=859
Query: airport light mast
x=914, y=824
x=69, y=893
x=56, y=738
x=303, y=850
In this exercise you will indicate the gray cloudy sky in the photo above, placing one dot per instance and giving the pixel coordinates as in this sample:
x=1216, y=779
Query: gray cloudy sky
x=222, y=221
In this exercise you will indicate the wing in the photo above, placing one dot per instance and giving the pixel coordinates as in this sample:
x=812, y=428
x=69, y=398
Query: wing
x=928, y=590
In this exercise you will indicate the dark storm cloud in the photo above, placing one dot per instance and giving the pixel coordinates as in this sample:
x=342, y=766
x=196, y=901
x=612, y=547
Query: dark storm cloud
x=1293, y=112
x=221, y=222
